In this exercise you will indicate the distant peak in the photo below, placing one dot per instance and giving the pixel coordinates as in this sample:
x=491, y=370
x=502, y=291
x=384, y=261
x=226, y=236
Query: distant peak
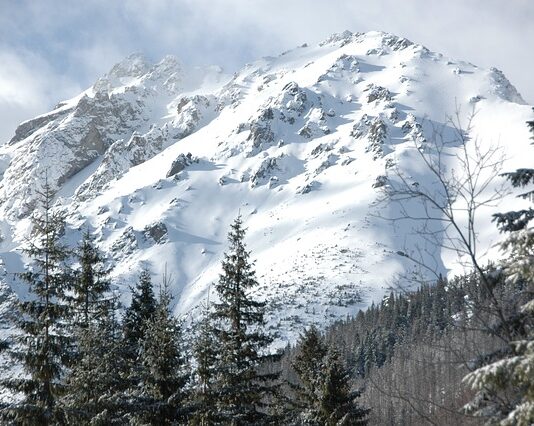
x=337, y=37
x=382, y=39
x=169, y=64
x=134, y=65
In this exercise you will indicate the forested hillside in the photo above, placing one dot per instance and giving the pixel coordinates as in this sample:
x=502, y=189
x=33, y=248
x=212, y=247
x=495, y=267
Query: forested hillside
x=456, y=352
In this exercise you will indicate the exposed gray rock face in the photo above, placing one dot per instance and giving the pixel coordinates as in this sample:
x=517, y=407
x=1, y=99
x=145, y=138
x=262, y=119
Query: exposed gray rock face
x=109, y=123
x=156, y=232
x=192, y=112
x=264, y=172
x=296, y=106
x=375, y=92
x=308, y=187
x=181, y=162
x=376, y=136
x=119, y=158
x=27, y=128
x=156, y=161
x=346, y=66
x=125, y=245
x=69, y=141
x=381, y=181
x=503, y=87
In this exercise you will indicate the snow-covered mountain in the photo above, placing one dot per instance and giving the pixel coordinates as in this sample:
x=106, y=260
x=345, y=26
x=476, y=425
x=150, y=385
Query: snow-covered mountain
x=157, y=160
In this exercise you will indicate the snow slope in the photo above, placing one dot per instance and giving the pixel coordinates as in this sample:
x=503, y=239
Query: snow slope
x=157, y=160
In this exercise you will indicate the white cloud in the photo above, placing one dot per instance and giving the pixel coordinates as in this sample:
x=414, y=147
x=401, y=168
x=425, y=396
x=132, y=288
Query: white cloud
x=27, y=88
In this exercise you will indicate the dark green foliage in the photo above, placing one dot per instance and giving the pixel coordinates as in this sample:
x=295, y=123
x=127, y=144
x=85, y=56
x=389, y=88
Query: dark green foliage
x=338, y=404
x=96, y=382
x=309, y=365
x=160, y=396
x=369, y=340
x=91, y=284
x=44, y=344
x=397, y=336
x=205, y=394
x=242, y=391
x=141, y=310
x=323, y=394
x=96, y=379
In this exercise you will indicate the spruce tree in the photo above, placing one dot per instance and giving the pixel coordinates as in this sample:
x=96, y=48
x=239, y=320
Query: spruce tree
x=43, y=347
x=205, y=352
x=141, y=309
x=160, y=396
x=324, y=394
x=242, y=391
x=338, y=403
x=91, y=286
x=309, y=365
x=96, y=382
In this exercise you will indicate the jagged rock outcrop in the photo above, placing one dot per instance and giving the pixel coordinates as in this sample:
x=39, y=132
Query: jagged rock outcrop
x=158, y=159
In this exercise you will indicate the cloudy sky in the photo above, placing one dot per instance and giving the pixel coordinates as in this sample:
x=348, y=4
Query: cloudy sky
x=51, y=50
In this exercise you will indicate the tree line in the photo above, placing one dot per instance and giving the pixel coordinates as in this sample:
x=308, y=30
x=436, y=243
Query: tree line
x=84, y=362
x=457, y=352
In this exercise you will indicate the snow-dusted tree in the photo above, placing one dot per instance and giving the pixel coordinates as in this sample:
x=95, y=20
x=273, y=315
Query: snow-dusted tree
x=43, y=347
x=160, y=395
x=464, y=179
x=96, y=383
x=309, y=365
x=242, y=391
x=141, y=309
x=204, y=395
x=324, y=392
x=90, y=297
x=338, y=403
x=505, y=380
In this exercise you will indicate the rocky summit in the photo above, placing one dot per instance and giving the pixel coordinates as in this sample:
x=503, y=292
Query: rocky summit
x=156, y=160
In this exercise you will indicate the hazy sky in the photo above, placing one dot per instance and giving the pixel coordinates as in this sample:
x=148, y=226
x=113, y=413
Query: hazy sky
x=51, y=50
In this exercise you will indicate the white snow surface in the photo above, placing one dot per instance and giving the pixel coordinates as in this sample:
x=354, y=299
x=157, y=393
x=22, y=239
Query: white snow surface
x=285, y=142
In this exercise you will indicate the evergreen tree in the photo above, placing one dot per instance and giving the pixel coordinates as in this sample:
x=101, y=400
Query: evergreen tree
x=44, y=345
x=160, y=396
x=91, y=286
x=505, y=380
x=309, y=366
x=338, y=404
x=140, y=311
x=242, y=391
x=96, y=383
x=205, y=352
x=324, y=395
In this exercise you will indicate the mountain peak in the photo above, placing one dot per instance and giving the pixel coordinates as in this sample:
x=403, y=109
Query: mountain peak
x=338, y=37
x=157, y=159
x=134, y=65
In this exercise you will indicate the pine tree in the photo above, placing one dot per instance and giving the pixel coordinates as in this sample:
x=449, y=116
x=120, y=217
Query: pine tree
x=242, y=391
x=44, y=345
x=91, y=286
x=205, y=353
x=142, y=309
x=505, y=380
x=309, y=366
x=96, y=382
x=338, y=404
x=161, y=396
x=324, y=394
